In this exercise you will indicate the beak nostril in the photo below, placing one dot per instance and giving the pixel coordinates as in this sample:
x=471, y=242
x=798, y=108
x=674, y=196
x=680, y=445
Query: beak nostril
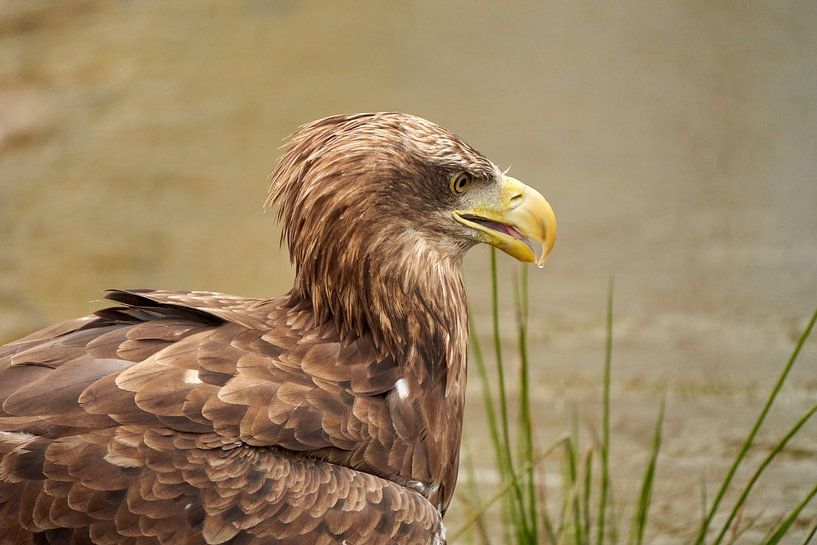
x=517, y=199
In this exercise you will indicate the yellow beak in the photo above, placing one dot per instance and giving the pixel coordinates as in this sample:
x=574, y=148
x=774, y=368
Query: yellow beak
x=517, y=220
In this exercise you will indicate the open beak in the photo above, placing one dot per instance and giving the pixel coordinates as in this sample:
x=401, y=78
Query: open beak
x=518, y=221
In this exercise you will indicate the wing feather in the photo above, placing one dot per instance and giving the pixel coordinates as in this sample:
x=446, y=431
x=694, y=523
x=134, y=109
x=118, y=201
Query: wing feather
x=141, y=421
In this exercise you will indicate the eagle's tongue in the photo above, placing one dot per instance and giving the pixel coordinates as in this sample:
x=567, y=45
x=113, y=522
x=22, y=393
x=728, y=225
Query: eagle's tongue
x=537, y=247
x=504, y=228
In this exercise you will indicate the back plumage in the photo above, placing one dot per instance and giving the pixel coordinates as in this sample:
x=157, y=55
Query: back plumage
x=141, y=424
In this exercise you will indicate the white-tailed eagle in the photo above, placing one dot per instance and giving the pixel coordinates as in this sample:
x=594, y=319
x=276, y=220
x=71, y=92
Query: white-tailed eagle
x=329, y=415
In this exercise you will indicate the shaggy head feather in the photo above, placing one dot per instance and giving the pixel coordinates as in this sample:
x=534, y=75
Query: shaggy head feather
x=365, y=204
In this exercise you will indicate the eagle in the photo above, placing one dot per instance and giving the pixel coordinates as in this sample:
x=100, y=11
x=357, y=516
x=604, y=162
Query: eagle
x=329, y=415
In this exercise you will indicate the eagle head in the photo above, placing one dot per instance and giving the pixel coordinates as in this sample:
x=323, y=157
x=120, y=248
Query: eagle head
x=389, y=197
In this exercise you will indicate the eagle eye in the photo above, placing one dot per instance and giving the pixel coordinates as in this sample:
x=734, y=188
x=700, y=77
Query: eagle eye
x=460, y=183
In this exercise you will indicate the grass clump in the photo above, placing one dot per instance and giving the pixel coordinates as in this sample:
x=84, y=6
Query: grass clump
x=584, y=513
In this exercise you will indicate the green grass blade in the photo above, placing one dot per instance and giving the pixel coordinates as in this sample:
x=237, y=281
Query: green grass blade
x=772, y=529
x=605, y=440
x=644, y=499
x=784, y=526
x=572, y=528
x=747, y=443
x=588, y=490
x=574, y=500
x=472, y=517
x=490, y=414
x=768, y=460
x=503, y=402
x=517, y=507
x=547, y=524
x=487, y=399
x=473, y=489
x=525, y=425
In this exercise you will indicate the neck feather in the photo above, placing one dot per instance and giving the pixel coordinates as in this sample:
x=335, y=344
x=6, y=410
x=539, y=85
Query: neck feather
x=403, y=292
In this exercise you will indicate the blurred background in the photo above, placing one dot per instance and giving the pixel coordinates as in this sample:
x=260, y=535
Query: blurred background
x=676, y=140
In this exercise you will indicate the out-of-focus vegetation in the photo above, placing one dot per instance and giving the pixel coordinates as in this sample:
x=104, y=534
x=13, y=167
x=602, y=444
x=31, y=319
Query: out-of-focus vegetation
x=583, y=511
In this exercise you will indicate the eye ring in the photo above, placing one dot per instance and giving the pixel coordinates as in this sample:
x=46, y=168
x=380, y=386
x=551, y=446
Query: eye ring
x=461, y=182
